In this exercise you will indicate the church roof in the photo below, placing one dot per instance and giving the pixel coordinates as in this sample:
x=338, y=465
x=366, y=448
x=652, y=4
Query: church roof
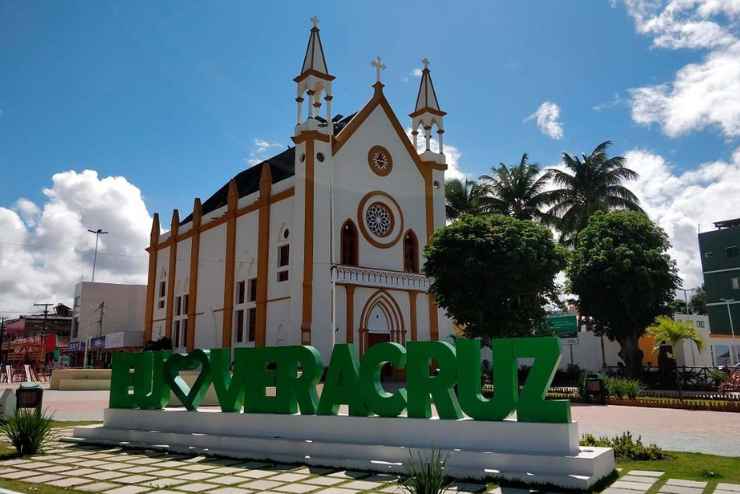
x=314, y=61
x=282, y=166
x=426, y=99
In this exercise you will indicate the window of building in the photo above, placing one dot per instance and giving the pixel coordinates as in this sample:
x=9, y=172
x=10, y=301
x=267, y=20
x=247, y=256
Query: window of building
x=735, y=283
x=699, y=324
x=349, y=244
x=180, y=323
x=162, y=293
x=732, y=251
x=252, y=323
x=708, y=254
x=283, y=262
x=410, y=253
x=245, y=312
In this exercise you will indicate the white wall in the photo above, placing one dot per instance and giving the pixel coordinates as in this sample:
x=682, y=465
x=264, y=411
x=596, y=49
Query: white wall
x=123, y=308
x=587, y=351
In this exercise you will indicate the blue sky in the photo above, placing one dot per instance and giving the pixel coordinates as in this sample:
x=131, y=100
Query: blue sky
x=174, y=95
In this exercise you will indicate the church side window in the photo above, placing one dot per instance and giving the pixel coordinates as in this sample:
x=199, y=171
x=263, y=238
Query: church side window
x=283, y=262
x=410, y=253
x=245, y=312
x=349, y=244
x=162, y=293
x=180, y=323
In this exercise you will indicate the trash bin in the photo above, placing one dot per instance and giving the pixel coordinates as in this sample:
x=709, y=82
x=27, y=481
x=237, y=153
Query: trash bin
x=29, y=395
x=595, y=390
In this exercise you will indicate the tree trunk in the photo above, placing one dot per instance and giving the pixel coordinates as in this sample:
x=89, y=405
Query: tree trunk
x=631, y=356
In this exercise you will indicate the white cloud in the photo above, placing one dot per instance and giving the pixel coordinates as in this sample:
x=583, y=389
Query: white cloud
x=683, y=202
x=547, y=117
x=416, y=72
x=261, y=151
x=616, y=101
x=46, y=250
x=702, y=94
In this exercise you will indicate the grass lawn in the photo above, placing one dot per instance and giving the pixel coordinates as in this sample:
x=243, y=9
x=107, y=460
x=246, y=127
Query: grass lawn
x=690, y=466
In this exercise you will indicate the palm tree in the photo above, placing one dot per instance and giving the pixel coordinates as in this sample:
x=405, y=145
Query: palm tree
x=591, y=183
x=463, y=198
x=518, y=191
x=666, y=331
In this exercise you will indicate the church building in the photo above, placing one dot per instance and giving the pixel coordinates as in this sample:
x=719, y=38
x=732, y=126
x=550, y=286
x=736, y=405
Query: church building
x=319, y=244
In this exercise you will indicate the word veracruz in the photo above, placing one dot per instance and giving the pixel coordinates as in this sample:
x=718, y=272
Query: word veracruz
x=144, y=380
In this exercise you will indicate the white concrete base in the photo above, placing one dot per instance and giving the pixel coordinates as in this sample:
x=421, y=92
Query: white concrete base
x=530, y=452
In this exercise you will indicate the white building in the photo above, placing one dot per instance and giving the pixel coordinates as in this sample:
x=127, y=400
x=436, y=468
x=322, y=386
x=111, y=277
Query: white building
x=319, y=244
x=111, y=311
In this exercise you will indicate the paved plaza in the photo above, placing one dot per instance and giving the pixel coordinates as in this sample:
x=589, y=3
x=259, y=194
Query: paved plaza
x=676, y=430
x=117, y=471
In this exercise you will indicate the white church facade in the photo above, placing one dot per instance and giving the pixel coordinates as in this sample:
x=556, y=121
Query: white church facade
x=320, y=244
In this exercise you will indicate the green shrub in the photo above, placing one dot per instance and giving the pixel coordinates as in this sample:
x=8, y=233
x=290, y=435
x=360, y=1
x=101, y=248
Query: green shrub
x=426, y=474
x=27, y=431
x=623, y=388
x=625, y=446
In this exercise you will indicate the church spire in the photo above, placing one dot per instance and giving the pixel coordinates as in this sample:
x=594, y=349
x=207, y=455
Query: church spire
x=314, y=80
x=428, y=114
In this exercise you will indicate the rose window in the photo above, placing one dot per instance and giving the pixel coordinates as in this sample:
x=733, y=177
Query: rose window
x=379, y=219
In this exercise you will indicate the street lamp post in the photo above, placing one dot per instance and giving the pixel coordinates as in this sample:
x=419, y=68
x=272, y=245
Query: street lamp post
x=97, y=233
x=727, y=302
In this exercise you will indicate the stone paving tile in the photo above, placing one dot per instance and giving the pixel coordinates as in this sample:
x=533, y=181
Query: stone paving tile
x=310, y=470
x=197, y=487
x=679, y=489
x=610, y=490
x=397, y=489
x=18, y=461
x=261, y=485
x=257, y=473
x=297, y=488
x=70, y=482
x=164, y=491
x=638, y=478
x=325, y=481
x=139, y=469
x=633, y=486
x=134, y=479
x=229, y=490
x=128, y=489
x=290, y=477
x=171, y=464
x=106, y=475
x=362, y=485
x=720, y=491
x=723, y=486
x=147, y=460
x=114, y=465
x=687, y=483
x=56, y=469
x=226, y=470
x=227, y=479
x=101, y=456
x=20, y=474
x=40, y=479
x=349, y=474
x=83, y=472
x=336, y=490
x=198, y=467
x=161, y=483
x=382, y=477
x=167, y=472
x=11, y=470
x=196, y=476
x=256, y=464
x=646, y=473
x=97, y=487
x=33, y=465
x=225, y=462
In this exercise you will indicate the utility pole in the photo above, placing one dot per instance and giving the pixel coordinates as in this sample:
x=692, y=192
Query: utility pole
x=97, y=233
x=2, y=335
x=43, y=330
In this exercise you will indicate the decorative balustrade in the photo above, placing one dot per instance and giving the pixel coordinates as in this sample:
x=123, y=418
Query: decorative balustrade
x=381, y=278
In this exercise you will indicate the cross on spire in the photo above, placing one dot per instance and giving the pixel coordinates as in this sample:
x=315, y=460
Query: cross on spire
x=425, y=61
x=315, y=22
x=378, y=64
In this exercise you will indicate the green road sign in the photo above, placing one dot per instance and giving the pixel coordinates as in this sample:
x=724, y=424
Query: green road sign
x=564, y=325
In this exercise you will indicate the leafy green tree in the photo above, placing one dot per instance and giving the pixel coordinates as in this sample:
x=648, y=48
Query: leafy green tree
x=666, y=331
x=463, y=197
x=591, y=183
x=494, y=274
x=698, y=301
x=624, y=278
x=518, y=190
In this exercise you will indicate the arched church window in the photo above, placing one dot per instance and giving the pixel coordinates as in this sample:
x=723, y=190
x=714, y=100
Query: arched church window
x=349, y=244
x=410, y=253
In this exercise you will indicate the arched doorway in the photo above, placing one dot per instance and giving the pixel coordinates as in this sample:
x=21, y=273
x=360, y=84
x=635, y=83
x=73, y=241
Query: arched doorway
x=381, y=320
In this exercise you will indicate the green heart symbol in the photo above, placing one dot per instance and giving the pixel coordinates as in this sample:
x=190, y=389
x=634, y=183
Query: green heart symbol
x=190, y=397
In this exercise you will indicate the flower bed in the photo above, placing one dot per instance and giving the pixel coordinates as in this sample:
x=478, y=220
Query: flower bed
x=689, y=404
